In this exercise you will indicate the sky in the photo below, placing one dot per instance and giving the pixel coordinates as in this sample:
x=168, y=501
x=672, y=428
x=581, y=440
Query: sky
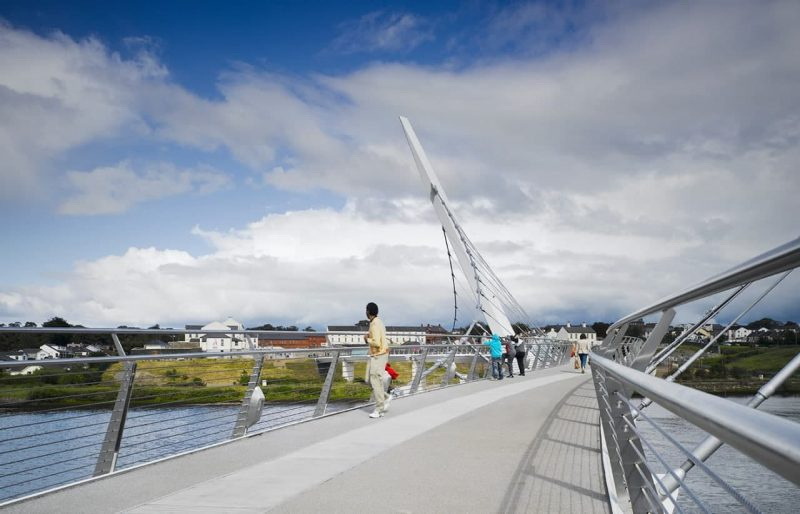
x=181, y=163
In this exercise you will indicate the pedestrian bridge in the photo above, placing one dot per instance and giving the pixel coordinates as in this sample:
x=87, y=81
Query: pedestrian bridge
x=136, y=433
x=528, y=444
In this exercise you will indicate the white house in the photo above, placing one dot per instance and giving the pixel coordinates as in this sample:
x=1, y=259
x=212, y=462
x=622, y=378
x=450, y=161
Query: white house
x=573, y=334
x=93, y=348
x=221, y=342
x=739, y=335
x=17, y=355
x=51, y=351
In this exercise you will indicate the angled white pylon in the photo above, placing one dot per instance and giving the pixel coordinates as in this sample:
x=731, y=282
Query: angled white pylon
x=494, y=314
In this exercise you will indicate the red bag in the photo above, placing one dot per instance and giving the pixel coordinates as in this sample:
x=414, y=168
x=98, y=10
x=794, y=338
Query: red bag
x=391, y=371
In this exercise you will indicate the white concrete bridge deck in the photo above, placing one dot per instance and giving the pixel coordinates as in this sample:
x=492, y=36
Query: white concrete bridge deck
x=527, y=444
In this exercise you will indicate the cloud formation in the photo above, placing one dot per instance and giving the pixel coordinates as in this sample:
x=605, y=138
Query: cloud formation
x=382, y=31
x=115, y=189
x=57, y=94
x=656, y=149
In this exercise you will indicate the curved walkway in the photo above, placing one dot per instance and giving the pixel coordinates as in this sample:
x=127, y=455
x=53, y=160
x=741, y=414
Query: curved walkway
x=530, y=444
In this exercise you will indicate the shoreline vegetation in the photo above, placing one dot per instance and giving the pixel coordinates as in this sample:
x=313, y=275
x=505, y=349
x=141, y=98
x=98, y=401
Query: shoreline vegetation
x=210, y=381
x=729, y=371
x=736, y=370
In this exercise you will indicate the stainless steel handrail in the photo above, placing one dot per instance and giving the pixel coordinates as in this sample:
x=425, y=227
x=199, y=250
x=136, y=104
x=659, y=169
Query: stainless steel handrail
x=768, y=439
x=621, y=368
x=133, y=441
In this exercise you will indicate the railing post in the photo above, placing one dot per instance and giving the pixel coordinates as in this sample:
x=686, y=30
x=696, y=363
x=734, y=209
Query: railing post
x=645, y=352
x=107, y=460
x=241, y=425
x=322, y=403
x=473, y=365
x=449, y=367
x=548, y=355
x=348, y=370
x=117, y=344
x=487, y=373
x=420, y=370
x=535, y=357
x=612, y=340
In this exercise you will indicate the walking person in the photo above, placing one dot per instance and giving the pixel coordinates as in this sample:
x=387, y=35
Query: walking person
x=583, y=351
x=378, y=358
x=496, y=352
x=519, y=349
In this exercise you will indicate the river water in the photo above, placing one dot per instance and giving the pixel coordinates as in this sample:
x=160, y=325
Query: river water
x=42, y=450
x=763, y=488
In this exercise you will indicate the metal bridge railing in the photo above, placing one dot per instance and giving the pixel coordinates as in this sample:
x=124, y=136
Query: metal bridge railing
x=76, y=419
x=642, y=478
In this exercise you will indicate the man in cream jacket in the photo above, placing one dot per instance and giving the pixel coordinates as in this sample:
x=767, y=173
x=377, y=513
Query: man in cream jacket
x=378, y=357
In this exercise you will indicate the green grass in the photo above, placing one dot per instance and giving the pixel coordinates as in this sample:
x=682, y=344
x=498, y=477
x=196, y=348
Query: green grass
x=767, y=362
x=738, y=369
x=200, y=381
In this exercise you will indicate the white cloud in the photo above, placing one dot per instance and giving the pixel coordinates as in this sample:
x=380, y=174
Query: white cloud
x=321, y=266
x=383, y=31
x=114, y=189
x=658, y=151
x=57, y=94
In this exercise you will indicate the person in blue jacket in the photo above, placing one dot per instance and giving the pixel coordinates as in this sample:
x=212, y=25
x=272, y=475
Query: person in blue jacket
x=496, y=350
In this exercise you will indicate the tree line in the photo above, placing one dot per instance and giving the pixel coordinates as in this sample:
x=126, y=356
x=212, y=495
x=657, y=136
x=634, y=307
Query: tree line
x=13, y=341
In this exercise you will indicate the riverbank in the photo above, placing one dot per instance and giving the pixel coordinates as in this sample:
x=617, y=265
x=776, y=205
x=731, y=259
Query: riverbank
x=741, y=387
x=188, y=382
x=733, y=370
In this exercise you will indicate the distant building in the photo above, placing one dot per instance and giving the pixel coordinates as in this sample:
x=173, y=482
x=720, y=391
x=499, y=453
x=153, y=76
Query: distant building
x=93, y=348
x=572, y=334
x=30, y=353
x=347, y=335
x=51, y=351
x=16, y=355
x=78, y=350
x=291, y=341
x=738, y=334
x=215, y=342
x=434, y=334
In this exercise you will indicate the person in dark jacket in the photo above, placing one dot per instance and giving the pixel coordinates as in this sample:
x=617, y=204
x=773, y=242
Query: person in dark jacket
x=508, y=355
x=519, y=348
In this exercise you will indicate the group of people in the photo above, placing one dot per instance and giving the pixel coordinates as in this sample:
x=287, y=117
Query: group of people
x=504, y=351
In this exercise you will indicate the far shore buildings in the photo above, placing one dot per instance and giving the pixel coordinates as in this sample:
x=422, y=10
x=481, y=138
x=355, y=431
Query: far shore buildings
x=220, y=342
x=291, y=340
x=348, y=335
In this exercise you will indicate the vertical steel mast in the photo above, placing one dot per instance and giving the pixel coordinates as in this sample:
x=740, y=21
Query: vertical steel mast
x=468, y=258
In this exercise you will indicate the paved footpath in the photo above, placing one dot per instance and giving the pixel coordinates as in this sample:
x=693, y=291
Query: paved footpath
x=528, y=444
